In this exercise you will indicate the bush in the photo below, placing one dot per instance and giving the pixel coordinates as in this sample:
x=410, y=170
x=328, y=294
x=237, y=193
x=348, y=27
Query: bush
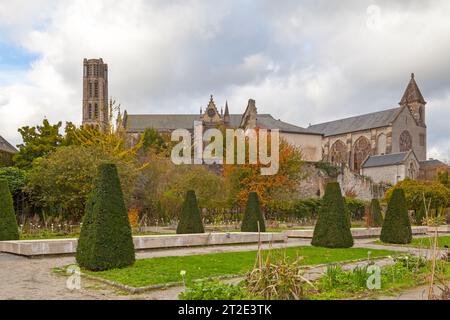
x=356, y=208
x=8, y=222
x=332, y=229
x=105, y=239
x=396, y=227
x=375, y=217
x=253, y=215
x=190, y=220
x=214, y=290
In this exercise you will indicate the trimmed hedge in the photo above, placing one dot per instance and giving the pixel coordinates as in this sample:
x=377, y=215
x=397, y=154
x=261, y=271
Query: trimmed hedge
x=8, y=223
x=396, y=227
x=105, y=241
x=332, y=229
x=253, y=215
x=376, y=218
x=190, y=220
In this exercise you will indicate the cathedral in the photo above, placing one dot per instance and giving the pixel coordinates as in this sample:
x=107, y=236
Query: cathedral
x=387, y=146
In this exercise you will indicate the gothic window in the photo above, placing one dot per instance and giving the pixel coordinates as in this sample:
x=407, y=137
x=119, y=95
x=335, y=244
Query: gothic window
x=361, y=150
x=381, y=144
x=90, y=90
x=96, y=89
x=412, y=171
x=422, y=140
x=338, y=153
x=90, y=111
x=96, y=111
x=405, y=141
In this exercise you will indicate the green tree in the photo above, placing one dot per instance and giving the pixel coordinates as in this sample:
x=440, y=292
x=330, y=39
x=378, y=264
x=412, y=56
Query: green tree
x=15, y=177
x=375, y=215
x=253, y=215
x=190, y=220
x=105, y=240
x=332, y=229
x=152, y=139
x=38, y=141
x=8, y=222
x=61, y=182
x=396, y=227
x=435, y=192
x=443, y=178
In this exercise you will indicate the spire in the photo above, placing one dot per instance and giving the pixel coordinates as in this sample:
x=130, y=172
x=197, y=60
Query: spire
x=226, y=117
x=412, y=93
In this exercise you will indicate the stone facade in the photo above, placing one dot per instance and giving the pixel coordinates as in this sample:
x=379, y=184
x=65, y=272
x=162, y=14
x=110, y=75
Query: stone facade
x=95, y=93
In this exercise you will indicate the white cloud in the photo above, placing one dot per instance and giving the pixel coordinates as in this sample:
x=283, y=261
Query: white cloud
x=303, y=62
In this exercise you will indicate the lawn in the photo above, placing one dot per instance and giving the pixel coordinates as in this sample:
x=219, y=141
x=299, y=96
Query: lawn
x=163, y=270
x=422, y=242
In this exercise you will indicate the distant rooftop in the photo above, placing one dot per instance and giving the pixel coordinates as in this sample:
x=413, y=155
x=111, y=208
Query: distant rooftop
x=6, y=146
x=385, y=160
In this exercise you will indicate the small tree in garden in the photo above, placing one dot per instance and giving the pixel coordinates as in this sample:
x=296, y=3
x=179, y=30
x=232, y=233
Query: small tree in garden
x=332, y=229
x=8, y=223
x=396, y=226
x=253, y=215
x=190, y=220
x=105, y=240
x=375, y=216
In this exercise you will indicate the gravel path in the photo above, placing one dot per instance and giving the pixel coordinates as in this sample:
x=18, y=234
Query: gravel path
x=33, y=279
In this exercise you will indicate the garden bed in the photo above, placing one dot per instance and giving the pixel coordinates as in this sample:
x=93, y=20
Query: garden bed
x=159, y=272
x=68, y=246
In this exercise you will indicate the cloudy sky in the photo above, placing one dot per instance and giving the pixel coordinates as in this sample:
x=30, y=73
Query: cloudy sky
x=302, y=61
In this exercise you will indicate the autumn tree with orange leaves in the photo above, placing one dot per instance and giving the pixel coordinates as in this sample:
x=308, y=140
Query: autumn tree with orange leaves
x=243, y=179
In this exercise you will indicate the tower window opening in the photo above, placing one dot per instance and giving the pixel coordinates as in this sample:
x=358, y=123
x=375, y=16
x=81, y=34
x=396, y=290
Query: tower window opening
x=96, y=111
x=90, y=111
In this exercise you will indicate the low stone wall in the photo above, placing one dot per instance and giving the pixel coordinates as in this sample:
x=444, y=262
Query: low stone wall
x=68, y=246
x=358, y=233
x=440, y=229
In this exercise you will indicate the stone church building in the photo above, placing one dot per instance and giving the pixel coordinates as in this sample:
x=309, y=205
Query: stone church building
x=387, y=146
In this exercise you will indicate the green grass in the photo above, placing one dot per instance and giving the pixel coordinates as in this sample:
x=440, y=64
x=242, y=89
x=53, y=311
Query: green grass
x=421, y=242
x=163, y=270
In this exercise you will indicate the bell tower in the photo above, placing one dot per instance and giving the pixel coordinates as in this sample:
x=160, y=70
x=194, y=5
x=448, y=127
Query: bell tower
x=95, y=93
x=415, y=102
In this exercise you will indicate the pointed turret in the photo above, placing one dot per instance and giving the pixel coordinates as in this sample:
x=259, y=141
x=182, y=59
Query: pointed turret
x=412, y=93
x=226, y=116
x=413, y=99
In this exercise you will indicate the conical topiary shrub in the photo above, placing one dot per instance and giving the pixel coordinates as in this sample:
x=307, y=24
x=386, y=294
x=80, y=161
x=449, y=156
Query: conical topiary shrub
x=190, y=219
x=253, y=215
x=105, y=241
x=376, y=218
x=396, y=227
x=332, y=229
x=8, y=222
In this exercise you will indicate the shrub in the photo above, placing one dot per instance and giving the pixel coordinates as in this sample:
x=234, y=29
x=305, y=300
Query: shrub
x=190, y=220
x=253, y=215
x=356, y=208
x=376, y=219
x=396, y=226
x=332, y=229
x=105, y=239
x=8, y=222
x=214, y=290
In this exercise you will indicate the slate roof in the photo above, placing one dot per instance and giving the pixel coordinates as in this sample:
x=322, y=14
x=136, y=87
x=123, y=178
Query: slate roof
x=168, y=122
x=6, y=146
x=357, y=123
x=385, y=160
x=432, y=163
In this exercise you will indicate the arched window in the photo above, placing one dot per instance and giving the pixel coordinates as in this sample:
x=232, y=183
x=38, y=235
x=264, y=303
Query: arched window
x=412, y=170
x=405, y=141
x=361, y=150
x=90, y=111
x=338, y=153
x=381, y=144
x=96, y=89
x=96, y=111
